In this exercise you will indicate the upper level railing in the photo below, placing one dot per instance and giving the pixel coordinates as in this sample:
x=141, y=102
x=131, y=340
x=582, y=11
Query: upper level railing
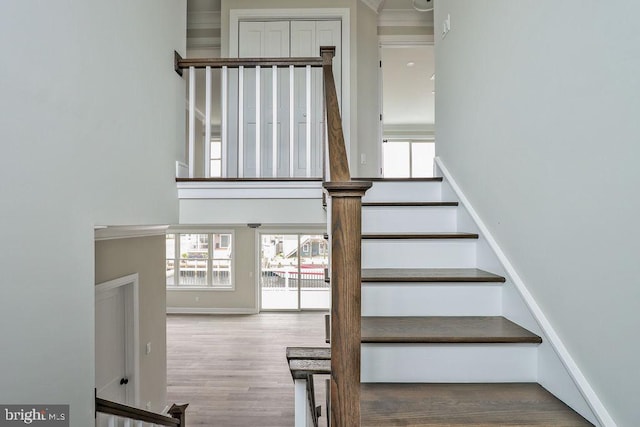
x=263, y=118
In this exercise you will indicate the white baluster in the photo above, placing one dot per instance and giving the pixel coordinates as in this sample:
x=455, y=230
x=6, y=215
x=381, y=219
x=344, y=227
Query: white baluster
x=223, y=127
x=241, y=122
x=291, y=121
x=258, y=124
x=192, y=120
x=308, y=110
x=207, y=123
x=112, y=421
x=274, y=138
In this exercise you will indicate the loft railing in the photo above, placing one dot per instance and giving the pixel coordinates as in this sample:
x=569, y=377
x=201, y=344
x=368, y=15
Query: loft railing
x=135, y=417
x=242, y=139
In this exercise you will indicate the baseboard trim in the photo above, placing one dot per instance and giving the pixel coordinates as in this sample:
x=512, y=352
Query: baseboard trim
x=596, y=405
x=192, y=310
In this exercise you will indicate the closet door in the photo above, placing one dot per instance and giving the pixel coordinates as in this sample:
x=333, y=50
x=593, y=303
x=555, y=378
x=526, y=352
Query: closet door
x=258, y=40
x=282, y=39
x=306, y=39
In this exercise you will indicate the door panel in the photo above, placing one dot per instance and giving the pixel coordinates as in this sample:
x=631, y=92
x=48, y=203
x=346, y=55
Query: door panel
x=257, y=40
x=110, y=345
x=282, y=39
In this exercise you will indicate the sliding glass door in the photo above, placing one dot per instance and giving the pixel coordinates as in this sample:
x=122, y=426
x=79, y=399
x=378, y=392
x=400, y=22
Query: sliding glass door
x=292, y=270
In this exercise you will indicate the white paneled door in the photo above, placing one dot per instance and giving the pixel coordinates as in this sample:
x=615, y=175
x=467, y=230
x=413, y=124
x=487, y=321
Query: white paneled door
x=298, y=127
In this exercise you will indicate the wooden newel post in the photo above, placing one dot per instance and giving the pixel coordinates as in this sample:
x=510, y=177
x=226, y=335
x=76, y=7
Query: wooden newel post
x=346, y=220
x=178, y=412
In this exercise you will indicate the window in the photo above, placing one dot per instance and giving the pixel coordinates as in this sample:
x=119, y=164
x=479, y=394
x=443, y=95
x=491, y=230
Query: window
x=215, y=162
x=407, y=159
x=199, y=260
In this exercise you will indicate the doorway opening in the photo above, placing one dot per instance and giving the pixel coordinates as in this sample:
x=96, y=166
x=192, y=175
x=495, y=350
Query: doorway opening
x=408, y=109
x=292, y=272
x=117, y=342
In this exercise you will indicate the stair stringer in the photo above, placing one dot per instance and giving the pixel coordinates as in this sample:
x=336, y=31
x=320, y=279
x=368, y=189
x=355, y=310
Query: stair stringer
x=557, y=370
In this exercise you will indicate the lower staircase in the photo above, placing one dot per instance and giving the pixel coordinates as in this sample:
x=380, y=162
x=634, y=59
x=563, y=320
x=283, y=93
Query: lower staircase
x=437, y=348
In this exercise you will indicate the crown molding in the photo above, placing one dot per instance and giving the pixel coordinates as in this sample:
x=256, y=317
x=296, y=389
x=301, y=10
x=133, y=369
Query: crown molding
x=203, y=20
x=128, y=231
x=405, y=18
x=374, y=5
x=406, y=40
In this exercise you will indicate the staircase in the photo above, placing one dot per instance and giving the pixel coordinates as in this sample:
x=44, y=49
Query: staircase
x=436, y=347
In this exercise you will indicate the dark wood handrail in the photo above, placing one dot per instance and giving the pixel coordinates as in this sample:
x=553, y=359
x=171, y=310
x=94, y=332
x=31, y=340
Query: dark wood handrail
x=112, y=408
x=181, y=63
x=338, y=163
x=346, y=229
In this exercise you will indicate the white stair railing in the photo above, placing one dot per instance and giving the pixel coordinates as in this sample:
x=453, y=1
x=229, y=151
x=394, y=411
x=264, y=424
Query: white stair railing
x=233, y=122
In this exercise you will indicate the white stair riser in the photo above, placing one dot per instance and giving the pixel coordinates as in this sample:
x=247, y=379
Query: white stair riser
x=443, y=363
x=436, y=253
x=404, y=192
x=408, y=219
x=431, y=299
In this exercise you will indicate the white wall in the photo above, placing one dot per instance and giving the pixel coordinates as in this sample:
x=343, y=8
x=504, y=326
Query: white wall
x=91, y=114
x=537, y=119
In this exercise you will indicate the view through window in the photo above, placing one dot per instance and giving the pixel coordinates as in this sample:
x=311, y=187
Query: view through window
x=292, y=270
x=199, y=260
x=407, y=159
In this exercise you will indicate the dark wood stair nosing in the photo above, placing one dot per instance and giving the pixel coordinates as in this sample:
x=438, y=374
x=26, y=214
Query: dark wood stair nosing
x=419, y=236
x=429, y=275
x=410, y=204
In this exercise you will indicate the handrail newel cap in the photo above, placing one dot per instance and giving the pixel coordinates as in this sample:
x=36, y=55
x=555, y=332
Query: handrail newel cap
x=327, y=53
x=347, y=188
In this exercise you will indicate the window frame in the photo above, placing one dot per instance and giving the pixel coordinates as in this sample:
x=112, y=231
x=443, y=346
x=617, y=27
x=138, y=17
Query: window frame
x=211, y=247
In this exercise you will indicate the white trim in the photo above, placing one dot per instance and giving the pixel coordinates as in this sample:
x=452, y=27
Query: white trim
x=574, y=371
x=132, y=327
x=128, y=231
x=404, y=18
x=406, y=40
x=374, y=5
x=343, y=14
x=192, y=310
x=250, y=190
x=204, y=20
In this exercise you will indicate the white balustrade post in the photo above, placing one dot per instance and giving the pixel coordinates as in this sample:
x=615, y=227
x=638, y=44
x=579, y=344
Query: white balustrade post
x=207, y=123
x=192, y=121
x=258, y=124
x=223, y=126
x=291, y=122
x=308, y=115
x=274, y=106
x=241, y=122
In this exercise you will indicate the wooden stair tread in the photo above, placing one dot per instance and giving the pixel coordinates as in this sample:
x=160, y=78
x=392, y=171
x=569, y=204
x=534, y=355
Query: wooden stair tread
x=429, y=275
x=445, y=329
x=409, y=236
x=378, y=179
x=409, y=204
x=302, y=368
x=309, y=353
x=499, y=404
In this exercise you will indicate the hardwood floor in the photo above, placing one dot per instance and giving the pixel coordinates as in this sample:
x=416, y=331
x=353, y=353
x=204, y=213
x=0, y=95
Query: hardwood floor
x=232, y=369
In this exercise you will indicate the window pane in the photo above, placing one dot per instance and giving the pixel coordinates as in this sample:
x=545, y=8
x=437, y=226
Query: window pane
x=221, y=272
x=216, y=150
x=314, y=291
x=171, y=255
x=194, y=254
x=395, y=158
x=215, y=168
x=422, y=154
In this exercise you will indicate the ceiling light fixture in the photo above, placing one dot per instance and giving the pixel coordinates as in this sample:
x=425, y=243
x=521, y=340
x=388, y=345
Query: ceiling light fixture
x=423, y=5
x=410, y=64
